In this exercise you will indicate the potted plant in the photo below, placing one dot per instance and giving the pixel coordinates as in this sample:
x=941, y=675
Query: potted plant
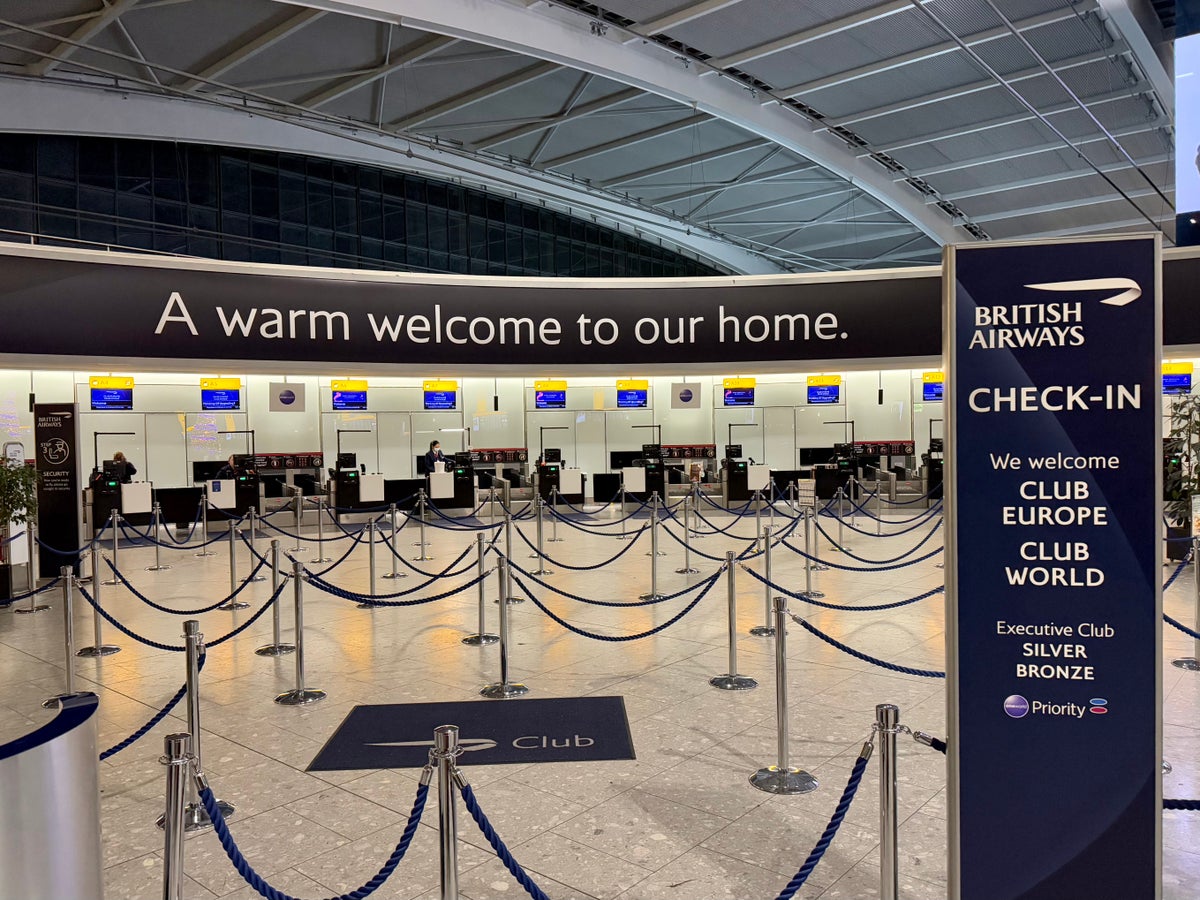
x=1181, y=478
x=18, y=503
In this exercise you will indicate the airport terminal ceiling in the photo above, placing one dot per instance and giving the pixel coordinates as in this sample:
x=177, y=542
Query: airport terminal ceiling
x=763, y=136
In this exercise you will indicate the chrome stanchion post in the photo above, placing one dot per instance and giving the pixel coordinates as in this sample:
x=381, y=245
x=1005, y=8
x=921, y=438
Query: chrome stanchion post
x=539, y=554
x=253, y=514
x=300, y=694
x=887, y=725
x=66, y=573
x=395, y=573
x=771, y=492
x=697, y=534
x=766, y=629
x=421, y=522
x=31, y=537
x=809, y=565
x=841, y=519
x=446, y=751
x=177, y=757
x=1192, y=663
x=782, y=778
x=321, y=557
x=277, y=647
x=688, y=568
x=757, y=520
x=98, y=648
x=481, y=636
x=370, y=566
x=233, y=603
x=654, y=553
x=624, y=519
x=506, y=595
x=503, y=689
x=298, y=497
x=115, y=525
x=731, y=680
x=814, y=564
x=155, y=528
x=204, y=551
x=878, y=507
x=792, y=497
x=554, y=538
x=655, y=506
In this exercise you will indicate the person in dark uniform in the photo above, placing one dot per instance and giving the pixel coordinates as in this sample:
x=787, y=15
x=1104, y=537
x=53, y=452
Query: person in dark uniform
x=434, y=457
x=130, y=471
x=230, y=470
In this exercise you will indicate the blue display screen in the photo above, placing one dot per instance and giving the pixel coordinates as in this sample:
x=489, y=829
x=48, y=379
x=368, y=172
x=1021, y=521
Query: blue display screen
x=1177, y=384
x=550, y=399
x=932, y=391
x=441, y=399
x=631, y=399
x=739, y=396
x=349, y=399
x=112, y=398
x=824, y=393
x=220, y=399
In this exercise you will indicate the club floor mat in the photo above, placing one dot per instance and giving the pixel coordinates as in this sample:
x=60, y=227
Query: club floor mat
x=559, y=729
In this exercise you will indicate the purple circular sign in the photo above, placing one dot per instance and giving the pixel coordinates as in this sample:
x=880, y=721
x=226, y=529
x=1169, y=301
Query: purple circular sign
x=1016, y=706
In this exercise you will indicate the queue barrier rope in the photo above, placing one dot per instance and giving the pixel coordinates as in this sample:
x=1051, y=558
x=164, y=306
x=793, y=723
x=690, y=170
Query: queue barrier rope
x=600, y=565
x=858, y=654
x=886, y=568
x=828, y=511
x=831, y=830
x=707, y=586
x=384, y=599
x=599, y=526
x=516, y=567
x=877, y=607
x=879, y=562
x=498, y=845
x=921, y=522
x=445, y=573
x=25, y=596
x=264, y=889
x=120, y=576
x=156, y=718
x=178, y=648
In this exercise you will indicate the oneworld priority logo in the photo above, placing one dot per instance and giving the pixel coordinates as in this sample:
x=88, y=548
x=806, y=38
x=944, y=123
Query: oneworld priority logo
x=1016, y=706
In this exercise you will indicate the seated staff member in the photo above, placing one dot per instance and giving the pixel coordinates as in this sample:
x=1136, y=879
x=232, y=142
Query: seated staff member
x=434, y=457
x=127, y=472
x=232, y=470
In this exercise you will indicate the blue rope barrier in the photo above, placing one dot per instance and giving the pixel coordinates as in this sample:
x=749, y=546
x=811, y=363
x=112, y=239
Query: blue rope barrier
x=385, y=599
x=264, y=889
x=45, y=587
x=181, y=612
x=1178, y=571
x=831, y=830
x=1192, y=805
x=498, y=845
x=827, y=511
x=579, y=599
x=921, y=522
x=156, y=718
x=445, y=573
x=841, y=607
x=708, y=585
x=600, y=565
x=858, y=654
x=878, y=562
x=1177, y=624
x=833, y=565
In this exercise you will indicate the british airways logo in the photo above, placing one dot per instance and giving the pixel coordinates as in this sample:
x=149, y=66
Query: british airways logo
x=1048, y=324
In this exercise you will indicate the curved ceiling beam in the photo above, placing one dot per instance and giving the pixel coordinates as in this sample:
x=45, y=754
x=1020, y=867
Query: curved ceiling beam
x=567, y=39
x=56, y=107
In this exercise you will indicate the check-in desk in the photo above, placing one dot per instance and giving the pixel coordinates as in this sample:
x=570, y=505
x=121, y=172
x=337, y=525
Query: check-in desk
x=135, y=503
x=641, y=482
x=743, y=481
x=571, y=486
x=454, y=489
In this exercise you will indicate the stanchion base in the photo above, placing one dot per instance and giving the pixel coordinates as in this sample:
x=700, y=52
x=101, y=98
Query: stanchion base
x=157, y=568
x=203, y=553
x=323, y=559
x=503, y=690
x=233, y=605
x=510, y=600
x=733, y=682
x=624, y=537
x=23, y=610
x=391, y=575
x=763, y=631
x=775, y=780
x=195, y=816
x=659, y=553
x=817, y=567
x=557, y=540
x=112, y=582
x=275, y=649
x=255, y=579
x=84, y=579
x=478, y=640
x=653, y=595
x=423, y=558
x=1191, y=665
x=420, y=543
x=690, y=570
x=812, y=595
x=102, y=650
x=543, y=571
x=940, y=566
x=300, y=696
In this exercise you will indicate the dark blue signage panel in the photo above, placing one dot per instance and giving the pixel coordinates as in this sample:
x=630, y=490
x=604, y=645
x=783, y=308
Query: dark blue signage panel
x=931, y=391
x=739, y=396
x=1053, y=580
x=1177, y=383
x=824, y=393
x=112, y=399
x=631, y=399
x=222, y=398
x=441, y=399
x=349, y=400
x=550, y=399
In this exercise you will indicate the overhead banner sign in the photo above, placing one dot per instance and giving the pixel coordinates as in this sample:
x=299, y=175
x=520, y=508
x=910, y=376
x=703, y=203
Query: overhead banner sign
x=127, y=307
x=1053, y=569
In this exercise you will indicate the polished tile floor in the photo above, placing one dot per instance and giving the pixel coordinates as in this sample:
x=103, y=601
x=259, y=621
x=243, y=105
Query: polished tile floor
x=680, y=821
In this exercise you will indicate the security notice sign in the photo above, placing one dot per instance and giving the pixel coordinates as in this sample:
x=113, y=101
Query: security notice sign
x=1053, y=568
